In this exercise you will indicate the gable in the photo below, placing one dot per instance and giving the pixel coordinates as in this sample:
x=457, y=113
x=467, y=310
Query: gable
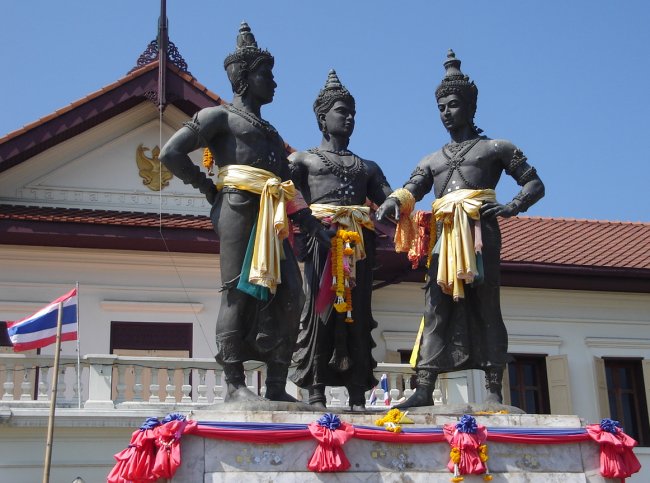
x=97, y=169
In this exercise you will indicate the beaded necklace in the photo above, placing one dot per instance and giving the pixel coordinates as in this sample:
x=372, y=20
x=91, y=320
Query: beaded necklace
x=343, y=172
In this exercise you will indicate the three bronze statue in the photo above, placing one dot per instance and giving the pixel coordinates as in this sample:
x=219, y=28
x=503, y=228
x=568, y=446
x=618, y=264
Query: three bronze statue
x=326, y=326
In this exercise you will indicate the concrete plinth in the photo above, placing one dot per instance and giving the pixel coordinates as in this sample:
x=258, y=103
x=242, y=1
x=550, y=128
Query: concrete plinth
x=216, y=461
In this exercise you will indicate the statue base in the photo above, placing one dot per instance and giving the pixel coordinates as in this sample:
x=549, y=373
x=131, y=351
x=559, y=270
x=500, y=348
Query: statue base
x=217, y=461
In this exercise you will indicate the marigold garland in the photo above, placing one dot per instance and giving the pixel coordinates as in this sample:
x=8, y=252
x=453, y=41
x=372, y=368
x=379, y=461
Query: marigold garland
x=393, y=419
x=208, y=161
x=342, y=262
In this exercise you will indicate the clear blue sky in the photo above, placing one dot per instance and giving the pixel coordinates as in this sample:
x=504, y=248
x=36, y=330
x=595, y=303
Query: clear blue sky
x=567, y=81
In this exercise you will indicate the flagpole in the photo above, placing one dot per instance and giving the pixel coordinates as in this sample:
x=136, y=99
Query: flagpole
x=55, y=381
x=78, y=351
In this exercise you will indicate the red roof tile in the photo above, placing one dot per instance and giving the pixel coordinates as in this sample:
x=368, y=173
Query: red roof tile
x=103, y=217
x=576, y=242
x=529, y=240
x=183, y=91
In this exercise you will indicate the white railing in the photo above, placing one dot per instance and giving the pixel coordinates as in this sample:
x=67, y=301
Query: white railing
x=126, y=382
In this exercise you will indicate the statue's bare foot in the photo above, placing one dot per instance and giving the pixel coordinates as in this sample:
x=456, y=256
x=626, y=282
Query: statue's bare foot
x=357, y=407
x=240, y=393
x=278, y=394
x=418, y=398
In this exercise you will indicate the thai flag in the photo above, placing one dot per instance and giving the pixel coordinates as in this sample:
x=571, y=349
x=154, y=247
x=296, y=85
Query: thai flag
x=373, y=397
x=383, y=382
x=39, y=330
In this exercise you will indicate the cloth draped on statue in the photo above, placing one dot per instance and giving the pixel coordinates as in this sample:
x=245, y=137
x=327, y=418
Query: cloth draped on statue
x=462, y=326
x=458, y=248
x=272, y=223
x=253, y=322
x=330, y=351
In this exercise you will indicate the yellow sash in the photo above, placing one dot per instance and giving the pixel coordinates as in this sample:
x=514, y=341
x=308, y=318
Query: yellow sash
x=272, y=222
x=351, y=217
x=457, y=260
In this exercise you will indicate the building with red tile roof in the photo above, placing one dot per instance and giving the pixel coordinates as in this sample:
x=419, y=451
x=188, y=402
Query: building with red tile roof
x=74, y=207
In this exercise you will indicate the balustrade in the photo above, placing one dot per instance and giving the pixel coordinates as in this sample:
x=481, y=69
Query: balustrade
x=110, y=381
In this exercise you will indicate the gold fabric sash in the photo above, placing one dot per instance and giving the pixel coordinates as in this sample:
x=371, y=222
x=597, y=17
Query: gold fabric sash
x=350, y=217
x=457, y=260
x=272, y=221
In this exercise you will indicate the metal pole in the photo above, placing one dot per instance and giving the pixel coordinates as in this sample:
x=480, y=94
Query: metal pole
x=78, y=351
x=163, y=40
x=55, y=381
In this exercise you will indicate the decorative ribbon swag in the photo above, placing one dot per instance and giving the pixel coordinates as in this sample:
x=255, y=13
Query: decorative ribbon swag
x=154, y=451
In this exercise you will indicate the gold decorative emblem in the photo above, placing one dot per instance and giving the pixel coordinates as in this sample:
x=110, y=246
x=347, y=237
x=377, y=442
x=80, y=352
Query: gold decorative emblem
x=155, y=175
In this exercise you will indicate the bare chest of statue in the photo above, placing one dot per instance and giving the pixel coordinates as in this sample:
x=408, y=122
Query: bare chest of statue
x=337, y=179
x=251, y=141
x=471, y=164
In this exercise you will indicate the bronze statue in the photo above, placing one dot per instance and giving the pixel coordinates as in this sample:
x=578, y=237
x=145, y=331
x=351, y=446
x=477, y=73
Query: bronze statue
x=262, y=294
x=335, y=342
x=463, y=327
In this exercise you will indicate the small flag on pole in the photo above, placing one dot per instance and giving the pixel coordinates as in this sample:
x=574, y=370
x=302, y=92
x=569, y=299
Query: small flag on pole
x=373, y=397
x=39, y=330
x=383, y=382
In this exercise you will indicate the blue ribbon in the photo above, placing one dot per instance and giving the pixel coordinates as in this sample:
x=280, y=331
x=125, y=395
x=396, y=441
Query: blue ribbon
x=173, y=417
x=610, y=425
x=467, y=424
x=330, y=421
x=150, y=423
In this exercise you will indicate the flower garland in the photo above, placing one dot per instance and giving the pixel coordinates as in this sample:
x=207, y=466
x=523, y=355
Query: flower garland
x=342, y=263
x=391, y=421
x=208, y=161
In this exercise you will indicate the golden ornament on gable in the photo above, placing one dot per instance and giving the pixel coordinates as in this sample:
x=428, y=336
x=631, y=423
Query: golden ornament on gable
x=155, y=176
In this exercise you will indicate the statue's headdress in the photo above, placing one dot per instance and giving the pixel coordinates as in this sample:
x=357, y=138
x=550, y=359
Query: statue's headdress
x=246, y=57
x=332, y=91
x=455, y=82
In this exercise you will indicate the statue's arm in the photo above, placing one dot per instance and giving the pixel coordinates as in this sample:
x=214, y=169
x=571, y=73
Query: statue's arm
x=378, y=187
x=192, y=136
x=516, y=165
x=303, y=217
x=418, y=185
x=298, y=169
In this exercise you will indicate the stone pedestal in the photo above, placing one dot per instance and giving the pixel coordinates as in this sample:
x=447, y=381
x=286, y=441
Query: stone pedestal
x=218, y=461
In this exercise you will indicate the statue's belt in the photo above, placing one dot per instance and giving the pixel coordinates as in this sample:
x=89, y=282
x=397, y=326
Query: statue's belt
x=458, y=248
x=272, y=223
x=350, y=217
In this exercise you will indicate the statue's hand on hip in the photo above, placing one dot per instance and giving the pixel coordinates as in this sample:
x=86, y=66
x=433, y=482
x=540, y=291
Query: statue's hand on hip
x=492, y=209
x=388, y=210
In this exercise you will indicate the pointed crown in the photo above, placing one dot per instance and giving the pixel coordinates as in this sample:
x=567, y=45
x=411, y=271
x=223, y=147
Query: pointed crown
x=455, y=82
x=332, y=91
x=246, y=57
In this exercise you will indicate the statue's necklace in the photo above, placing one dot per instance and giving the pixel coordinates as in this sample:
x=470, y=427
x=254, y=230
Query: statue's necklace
x=256, y=121
x=343, y=172
x=458, y=152
x=264, y=126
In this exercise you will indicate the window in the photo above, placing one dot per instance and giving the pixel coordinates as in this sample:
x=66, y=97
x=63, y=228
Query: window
x=150, y=339
x=4, y=336
x=529, y=384
x=626, y=395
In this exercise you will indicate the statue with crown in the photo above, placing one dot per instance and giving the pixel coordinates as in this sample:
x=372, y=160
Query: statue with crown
x=462, y=327
x=253, y=199
x=335, y=342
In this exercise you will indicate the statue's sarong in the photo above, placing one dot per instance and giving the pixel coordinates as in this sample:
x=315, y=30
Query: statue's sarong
x=329, y=351
x=463, y=327
x=272, y=224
